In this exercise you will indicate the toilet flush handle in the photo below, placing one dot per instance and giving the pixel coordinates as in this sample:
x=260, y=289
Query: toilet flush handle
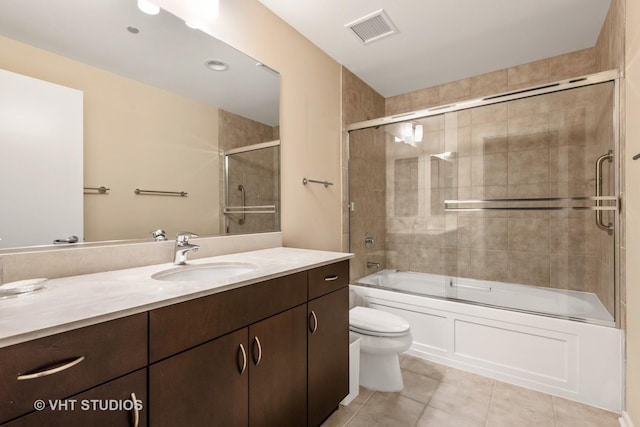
x=313, y=327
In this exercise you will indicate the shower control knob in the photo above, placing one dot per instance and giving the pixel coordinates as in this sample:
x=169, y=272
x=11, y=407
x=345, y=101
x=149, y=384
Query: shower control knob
x=369, y=242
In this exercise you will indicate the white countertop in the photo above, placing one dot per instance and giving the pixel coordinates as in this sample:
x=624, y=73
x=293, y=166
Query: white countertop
x=73, y=302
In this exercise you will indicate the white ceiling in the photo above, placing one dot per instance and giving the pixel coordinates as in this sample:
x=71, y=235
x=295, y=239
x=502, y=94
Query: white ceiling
x=441, y=41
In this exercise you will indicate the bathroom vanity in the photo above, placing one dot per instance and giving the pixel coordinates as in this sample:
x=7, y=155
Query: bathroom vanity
x=267, y=347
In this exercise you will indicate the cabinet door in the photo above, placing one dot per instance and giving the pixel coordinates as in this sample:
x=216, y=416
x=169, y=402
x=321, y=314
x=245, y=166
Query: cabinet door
x=109, y=405
x=204, y=386
x=328, y=354
x=278, y=370
x=61, y=365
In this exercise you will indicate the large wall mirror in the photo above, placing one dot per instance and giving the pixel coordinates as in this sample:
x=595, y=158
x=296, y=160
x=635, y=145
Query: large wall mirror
x=163, y=105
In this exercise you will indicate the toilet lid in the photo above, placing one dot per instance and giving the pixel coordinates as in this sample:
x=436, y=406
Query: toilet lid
x=376, y=322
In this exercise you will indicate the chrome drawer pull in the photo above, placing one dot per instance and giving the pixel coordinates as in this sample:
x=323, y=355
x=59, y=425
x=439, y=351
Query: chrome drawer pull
x=331, y=278
x=52, y=370
x=312, y=316
x=243, y=365
x=256, y=360
x=136, y=412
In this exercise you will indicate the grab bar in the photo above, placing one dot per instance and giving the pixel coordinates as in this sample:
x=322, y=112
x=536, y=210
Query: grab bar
x=598, y=206
x=160, y=193
x=242, y=203
x=599, y=220
x=263, y=209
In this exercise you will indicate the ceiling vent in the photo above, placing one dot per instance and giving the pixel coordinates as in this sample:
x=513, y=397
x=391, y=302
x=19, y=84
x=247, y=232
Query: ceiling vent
x=372, y=27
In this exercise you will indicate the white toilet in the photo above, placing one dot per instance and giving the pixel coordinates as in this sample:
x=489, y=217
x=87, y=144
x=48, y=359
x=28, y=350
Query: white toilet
x=382, y=337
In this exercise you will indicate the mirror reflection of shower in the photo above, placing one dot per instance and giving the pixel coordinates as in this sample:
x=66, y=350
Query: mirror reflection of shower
x=252, y=189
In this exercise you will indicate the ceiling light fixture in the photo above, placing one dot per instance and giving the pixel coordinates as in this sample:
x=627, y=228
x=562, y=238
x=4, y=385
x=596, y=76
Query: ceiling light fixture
x=147, y=7
x=216, y=65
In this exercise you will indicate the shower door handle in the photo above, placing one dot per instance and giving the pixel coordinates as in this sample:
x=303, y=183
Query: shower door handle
x=599, y=220
x=242, y=203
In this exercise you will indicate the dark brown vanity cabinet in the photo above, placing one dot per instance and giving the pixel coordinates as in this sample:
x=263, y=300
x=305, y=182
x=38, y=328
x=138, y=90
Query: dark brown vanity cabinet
x=328, y=340
x=256, y=375
x=121, y=402
x=205, y=386
x=273, y=353
x=64, y=369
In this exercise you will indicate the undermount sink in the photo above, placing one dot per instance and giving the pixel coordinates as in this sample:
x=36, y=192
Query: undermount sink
x=212, y=271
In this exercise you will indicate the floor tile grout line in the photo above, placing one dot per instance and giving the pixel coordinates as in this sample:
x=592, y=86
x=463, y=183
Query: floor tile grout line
x=493, y=392
x=360, y=408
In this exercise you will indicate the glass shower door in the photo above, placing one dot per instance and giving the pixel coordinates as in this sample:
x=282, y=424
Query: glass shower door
x=534, y=211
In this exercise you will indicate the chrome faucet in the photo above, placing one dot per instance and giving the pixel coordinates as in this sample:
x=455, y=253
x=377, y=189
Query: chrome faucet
x=375, y=265
x=183, y=247
x=159, y=235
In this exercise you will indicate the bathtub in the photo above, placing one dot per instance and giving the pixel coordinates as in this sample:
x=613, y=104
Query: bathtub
x=574, y=305
x=551, y=353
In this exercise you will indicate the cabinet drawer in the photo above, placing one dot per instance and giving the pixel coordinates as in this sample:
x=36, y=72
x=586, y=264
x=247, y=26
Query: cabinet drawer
x=109, y=405
x=328, y=278
x=61, y=365
x=177, y=327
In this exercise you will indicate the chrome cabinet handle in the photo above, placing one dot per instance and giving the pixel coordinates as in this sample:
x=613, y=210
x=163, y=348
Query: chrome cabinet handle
x=136, y=412
x=313, y=327
x=256, y=360
x=242, y=366
x=52, y=370
x=331, y=278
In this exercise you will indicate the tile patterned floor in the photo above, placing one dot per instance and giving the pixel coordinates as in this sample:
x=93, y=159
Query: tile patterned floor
x=438, y=396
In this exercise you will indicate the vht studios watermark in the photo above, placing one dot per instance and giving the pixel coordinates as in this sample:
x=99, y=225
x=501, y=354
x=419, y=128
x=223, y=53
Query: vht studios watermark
x=88, y=405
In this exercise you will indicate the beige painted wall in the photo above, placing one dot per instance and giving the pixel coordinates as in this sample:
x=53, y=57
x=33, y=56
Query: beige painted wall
x=632, y=208
x=310, y=116
x=134, y=137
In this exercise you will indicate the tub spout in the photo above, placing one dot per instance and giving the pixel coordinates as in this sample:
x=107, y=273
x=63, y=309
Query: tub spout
x=375, y=265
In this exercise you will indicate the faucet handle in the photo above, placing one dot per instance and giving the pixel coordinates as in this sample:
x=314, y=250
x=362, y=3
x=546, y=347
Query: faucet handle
x=184, y=236
x=159, y=235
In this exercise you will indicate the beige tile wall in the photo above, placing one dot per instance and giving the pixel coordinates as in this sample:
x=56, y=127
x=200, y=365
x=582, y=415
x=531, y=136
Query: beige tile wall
x=367, y=155
x=544, y=71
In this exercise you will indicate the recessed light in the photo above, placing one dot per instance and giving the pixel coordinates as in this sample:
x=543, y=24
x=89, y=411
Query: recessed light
x=216, y=65
x=147, y=7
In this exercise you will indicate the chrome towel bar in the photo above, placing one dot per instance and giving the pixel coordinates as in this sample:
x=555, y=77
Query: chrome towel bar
x=305, y=181
x=612, y=206
x=159, y=193
x=98, y=190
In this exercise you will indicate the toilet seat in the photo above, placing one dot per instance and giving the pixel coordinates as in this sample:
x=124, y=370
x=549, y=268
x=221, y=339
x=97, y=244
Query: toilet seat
x=369, y=321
